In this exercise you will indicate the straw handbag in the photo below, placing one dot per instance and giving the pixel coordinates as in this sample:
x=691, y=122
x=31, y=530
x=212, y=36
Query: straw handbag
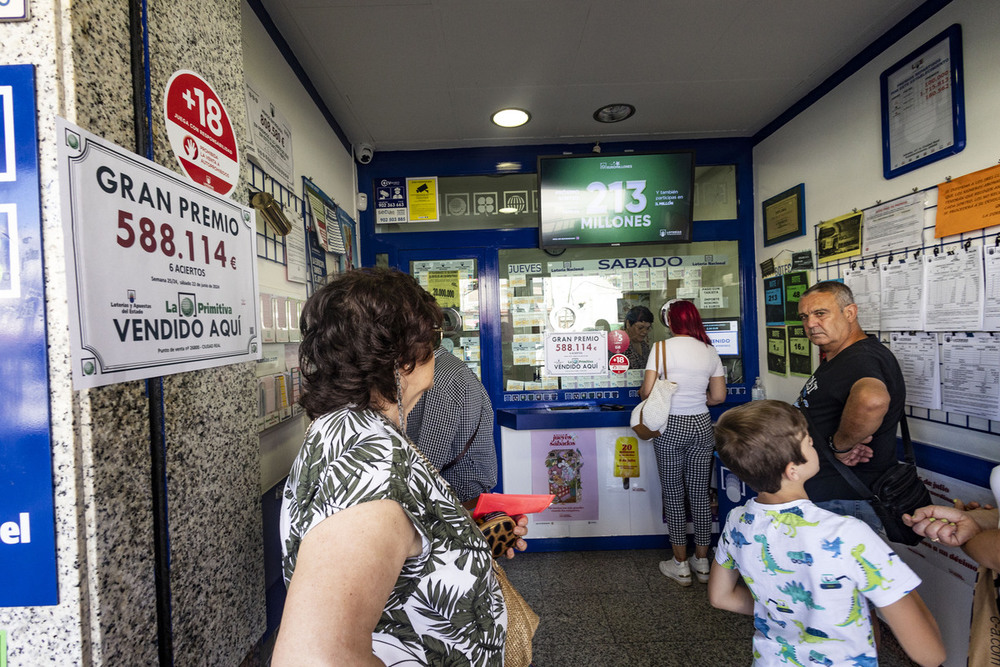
x=521, y=623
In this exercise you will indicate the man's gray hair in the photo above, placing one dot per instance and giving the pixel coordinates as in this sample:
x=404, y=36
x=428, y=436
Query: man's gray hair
x=841, y=292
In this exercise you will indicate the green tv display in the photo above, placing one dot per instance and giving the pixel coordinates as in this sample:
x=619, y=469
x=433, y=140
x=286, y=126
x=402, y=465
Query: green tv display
x=620, y=199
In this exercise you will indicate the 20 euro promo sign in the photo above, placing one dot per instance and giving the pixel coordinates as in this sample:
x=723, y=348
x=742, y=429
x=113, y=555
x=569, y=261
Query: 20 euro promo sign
x=162, y=273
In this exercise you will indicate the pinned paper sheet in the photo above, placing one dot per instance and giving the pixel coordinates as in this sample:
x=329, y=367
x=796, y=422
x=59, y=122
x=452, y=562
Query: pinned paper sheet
x=511, y=503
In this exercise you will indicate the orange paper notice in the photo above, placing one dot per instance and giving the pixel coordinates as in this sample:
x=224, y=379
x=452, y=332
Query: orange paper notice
x=968, y=203
x=511, y=503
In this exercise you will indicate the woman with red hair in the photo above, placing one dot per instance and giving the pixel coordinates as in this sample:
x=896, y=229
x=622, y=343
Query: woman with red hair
x=684, y=448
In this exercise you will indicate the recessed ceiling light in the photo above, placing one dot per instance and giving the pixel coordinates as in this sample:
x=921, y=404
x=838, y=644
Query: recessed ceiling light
x=511, y=117
x=613, y=113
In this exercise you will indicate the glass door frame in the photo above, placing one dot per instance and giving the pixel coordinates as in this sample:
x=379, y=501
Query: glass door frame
x=486, y=273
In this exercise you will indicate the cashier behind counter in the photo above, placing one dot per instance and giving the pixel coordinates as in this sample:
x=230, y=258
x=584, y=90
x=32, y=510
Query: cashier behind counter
x=638, y=323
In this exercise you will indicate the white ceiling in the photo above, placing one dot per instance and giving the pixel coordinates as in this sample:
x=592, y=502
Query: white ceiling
x=424, y=74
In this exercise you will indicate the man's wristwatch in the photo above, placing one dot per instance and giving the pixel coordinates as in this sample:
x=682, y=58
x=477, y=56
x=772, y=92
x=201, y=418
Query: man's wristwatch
x=829, y=441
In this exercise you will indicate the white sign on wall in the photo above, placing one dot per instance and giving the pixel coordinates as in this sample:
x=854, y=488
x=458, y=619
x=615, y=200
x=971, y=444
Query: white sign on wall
x=161, y=273
x=576, y=353
x=270, y=137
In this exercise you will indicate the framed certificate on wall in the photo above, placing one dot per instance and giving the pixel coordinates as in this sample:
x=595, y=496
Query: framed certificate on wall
x=784, y=215
x=923, y=105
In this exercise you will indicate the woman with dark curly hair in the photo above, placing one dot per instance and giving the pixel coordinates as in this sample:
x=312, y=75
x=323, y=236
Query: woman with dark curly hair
x=381, y=561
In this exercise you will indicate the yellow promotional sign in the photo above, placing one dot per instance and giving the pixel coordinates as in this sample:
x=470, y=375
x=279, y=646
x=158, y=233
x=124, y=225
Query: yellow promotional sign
x=626, y=457
x=443, y=286
x=423, y=199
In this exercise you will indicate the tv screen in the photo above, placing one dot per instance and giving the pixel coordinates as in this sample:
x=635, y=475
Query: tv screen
x=607, y=200
x=725, y=336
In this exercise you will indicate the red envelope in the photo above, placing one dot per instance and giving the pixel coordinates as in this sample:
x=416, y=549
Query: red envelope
x=511, y=503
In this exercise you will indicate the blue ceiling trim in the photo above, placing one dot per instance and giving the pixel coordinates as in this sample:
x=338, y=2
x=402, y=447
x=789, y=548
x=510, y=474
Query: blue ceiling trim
x=293, y=62
x=893, y=35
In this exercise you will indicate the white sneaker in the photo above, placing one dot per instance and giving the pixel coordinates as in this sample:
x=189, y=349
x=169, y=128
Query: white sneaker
x=701, y=567
x=679, y=572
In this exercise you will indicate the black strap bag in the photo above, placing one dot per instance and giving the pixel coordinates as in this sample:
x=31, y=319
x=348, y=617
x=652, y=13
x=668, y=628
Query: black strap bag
x=897, y=492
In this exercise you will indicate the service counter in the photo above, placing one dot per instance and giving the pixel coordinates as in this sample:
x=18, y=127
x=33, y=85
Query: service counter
x=570, y=452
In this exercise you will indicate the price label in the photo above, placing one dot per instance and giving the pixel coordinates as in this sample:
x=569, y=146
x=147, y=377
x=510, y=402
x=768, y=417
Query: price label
x=153, y=239
x=200, y=133
x=776, y=346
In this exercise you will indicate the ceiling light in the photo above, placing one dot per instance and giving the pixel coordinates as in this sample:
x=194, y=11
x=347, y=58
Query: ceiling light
x=509, y=210
x=511, y=117
x=613, y=113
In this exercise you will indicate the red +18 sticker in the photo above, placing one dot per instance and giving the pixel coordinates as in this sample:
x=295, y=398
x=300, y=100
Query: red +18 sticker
x=200, y=133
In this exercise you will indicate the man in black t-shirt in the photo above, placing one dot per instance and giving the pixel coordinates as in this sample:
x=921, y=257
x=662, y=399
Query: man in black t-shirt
x=854, y=399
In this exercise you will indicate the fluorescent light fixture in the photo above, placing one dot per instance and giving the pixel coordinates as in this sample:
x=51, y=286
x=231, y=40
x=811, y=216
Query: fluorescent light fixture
x=614, y=113
x=508, y=210
x=511, y=117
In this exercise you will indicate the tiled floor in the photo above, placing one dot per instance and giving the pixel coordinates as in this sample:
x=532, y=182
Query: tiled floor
x=609, y=608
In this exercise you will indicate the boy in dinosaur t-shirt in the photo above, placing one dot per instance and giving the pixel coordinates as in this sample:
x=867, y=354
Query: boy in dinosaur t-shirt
x=808, y=570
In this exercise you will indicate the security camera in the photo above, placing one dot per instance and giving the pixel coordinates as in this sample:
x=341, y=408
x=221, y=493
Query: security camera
x=364, y=153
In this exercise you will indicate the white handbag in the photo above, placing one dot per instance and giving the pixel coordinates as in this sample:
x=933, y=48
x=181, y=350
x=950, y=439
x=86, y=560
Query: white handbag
x=649, y=418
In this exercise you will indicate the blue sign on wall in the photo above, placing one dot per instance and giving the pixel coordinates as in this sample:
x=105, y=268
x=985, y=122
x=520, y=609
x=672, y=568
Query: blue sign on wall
x=27, y=517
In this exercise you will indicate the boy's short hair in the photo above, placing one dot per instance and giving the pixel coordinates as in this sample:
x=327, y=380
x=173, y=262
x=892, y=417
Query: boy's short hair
x=759, y=439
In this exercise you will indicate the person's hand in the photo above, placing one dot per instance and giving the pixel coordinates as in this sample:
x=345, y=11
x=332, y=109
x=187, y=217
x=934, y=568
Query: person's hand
x=971, y=505
x=521, y=529
x=950, y=526
x=859, y=453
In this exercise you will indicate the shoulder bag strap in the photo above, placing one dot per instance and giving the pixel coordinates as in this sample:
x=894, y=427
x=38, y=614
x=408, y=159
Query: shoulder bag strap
x=661, y=345
x=907, y=444
x=845, y=471
x=465, y=450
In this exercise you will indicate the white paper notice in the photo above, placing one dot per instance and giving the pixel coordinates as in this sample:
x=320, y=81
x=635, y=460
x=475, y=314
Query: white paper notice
x=894, y=225
x=866, y=282
x=902, y=295
x=711, y=297
x=917, y=355
x=991, y=301
x=296, y=261
x=970, y=374
x=953, y=291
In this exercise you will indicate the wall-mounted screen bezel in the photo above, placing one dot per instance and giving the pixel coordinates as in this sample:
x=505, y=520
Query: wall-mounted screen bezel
x=615, y=199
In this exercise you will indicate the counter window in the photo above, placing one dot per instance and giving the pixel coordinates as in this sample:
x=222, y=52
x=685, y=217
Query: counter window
x=592, y=289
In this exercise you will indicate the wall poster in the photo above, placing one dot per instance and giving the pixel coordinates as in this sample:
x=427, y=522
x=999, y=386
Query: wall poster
x=777, y=351
x=564, y=463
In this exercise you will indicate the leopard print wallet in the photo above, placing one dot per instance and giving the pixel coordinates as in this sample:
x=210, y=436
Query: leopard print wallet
x=498, y=529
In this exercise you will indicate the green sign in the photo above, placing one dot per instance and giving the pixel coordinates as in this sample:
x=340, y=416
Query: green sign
x=615, y=199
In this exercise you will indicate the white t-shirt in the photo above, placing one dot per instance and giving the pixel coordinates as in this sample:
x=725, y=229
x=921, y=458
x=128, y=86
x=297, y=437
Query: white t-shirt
x=690, y=363
x=809, y=571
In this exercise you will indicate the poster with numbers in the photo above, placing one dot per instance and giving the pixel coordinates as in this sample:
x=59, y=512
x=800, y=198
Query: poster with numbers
x=161, y=272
